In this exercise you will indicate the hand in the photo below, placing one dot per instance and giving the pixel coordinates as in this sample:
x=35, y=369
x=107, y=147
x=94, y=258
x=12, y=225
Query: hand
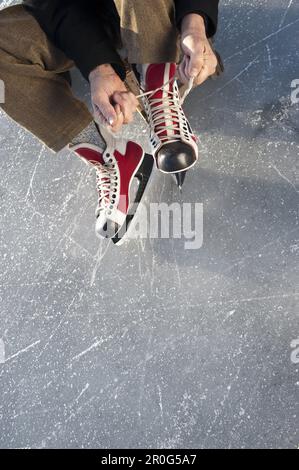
x=112, y=103
x=199, y=61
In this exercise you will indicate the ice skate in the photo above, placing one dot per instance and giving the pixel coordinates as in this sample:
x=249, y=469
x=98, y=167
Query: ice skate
x=173, y=143
x=117, y=167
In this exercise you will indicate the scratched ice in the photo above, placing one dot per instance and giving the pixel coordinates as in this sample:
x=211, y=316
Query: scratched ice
x=152, y=345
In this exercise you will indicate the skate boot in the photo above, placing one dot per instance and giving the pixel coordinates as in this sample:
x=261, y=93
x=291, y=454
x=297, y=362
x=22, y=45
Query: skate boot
x=173, y=143
x=116, y=170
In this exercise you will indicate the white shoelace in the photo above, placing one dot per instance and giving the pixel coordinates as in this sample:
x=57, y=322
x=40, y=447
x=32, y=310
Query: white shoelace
x=160, y=113
x=103, y=176
x=182, y=99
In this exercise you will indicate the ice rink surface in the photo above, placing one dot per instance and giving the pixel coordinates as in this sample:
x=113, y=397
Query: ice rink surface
x=151, y=345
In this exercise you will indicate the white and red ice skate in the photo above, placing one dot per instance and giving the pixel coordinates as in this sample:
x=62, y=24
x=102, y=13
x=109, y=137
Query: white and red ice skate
x=117, y=167
x=173, y=142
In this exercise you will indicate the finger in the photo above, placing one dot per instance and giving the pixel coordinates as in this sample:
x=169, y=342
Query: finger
x=117, y=110
x=186, y=70
x=119, y=121
x=195, y=65
x=182, y=77
x=103, y=104
x=98, y=116
x=181, y=71
x=194, y=49
x=125, y=109
x=212, y=63
x=133, y=99
x=203, y=76
x=118, y=124
x=128, y=105
x=126, y=97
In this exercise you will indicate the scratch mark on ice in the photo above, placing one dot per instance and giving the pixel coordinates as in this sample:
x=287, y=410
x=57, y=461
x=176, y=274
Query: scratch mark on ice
x=143, y=376
x=221, y=410
x=261, y=40
x=99, y=257
x=93, y=346
x=82, y=392
x=269, y=56
x=284, y=177
x=285, y=13
x=177, y=268
x=30, y=187
x=229, y=314
x=160, y=402
x=248, y=66
x=22, y=351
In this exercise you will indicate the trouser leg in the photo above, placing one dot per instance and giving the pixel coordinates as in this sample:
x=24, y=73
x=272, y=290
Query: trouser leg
x=35, y=76
x=148, y=30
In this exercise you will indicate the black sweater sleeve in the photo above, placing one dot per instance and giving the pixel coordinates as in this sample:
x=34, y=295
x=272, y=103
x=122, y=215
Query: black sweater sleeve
x=207, y=8
x=73, y=26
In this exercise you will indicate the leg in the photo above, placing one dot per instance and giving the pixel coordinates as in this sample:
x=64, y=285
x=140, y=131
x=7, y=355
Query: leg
x=148, y=31
x=36, y=80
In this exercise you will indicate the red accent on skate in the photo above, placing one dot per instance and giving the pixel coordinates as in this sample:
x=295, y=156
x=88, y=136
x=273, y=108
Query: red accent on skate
x=156, y=77
x=127, y=164
x=91, y=155
x=127, y=167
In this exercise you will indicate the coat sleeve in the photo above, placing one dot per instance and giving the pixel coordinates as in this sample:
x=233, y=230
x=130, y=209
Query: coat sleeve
x=74, y=27
x=207, y=8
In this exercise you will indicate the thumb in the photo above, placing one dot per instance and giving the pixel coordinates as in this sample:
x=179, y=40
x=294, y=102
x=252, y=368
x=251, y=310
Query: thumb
x=106, y=108
x=196, y=64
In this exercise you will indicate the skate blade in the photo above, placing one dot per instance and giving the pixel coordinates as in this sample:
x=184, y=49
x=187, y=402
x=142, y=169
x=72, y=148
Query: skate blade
x=179, y=179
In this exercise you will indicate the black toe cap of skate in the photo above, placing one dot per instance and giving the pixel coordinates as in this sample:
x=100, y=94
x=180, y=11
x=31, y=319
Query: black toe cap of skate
x=175, y=157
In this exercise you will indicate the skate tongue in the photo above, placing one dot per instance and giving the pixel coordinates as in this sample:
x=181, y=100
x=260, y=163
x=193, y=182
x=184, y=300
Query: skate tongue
x=162, y=102
x=156, y=75
x=90, y=153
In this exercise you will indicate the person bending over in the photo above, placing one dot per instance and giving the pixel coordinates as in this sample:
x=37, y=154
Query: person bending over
x=162, y=41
